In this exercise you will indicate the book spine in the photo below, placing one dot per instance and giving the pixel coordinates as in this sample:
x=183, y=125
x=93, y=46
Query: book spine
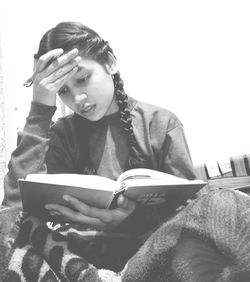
x=225, y=168
x=116, y=194
x=238, y=165
x=247, y=163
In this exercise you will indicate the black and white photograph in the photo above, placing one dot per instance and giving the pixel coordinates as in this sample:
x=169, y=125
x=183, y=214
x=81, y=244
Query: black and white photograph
x=124, y=141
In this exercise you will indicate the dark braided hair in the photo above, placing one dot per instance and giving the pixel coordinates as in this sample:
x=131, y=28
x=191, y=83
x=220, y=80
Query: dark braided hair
x=69, y=35
x=134, y=160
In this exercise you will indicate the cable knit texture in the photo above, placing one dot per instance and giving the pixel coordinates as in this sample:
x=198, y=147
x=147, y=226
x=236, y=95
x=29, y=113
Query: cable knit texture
x=208, y=241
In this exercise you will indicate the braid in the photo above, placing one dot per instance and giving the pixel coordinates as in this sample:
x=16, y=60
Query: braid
x=134, y=159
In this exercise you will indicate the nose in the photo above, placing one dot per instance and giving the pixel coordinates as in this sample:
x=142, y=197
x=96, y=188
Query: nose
x=80, y=99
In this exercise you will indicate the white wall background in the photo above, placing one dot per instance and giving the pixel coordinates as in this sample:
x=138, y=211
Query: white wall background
x=190, y=56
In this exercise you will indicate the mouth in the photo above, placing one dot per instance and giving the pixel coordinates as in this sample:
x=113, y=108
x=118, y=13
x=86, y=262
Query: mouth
x=87, y=109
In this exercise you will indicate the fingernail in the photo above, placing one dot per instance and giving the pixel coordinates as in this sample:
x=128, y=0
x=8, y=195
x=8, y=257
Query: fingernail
x=78, y=59
x=75, y=50
x=120, y=200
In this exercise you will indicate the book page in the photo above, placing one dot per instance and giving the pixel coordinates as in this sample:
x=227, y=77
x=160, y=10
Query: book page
x=77, y=180
x=159, y=182
x=144, y=173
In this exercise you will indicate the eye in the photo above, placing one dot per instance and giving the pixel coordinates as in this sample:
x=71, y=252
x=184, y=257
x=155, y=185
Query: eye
x=83, y=79
x=62, y=91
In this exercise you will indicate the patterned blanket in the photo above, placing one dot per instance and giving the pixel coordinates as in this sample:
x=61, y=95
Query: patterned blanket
x=209, y=240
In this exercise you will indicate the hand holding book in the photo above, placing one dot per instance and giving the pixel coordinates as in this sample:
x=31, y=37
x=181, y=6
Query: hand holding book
x=101, y=219
x=146, y=186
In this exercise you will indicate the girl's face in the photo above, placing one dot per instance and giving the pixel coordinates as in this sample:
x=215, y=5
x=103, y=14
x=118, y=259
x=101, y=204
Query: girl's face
x=90, y=93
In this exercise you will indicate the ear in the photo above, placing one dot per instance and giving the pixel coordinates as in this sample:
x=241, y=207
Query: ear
x=111, y=66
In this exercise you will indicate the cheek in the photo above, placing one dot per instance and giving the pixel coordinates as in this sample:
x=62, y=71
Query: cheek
x=108, y=86
x=105, y=82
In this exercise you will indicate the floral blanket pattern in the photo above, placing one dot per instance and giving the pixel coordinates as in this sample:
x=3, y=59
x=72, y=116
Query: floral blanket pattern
x=209, y=240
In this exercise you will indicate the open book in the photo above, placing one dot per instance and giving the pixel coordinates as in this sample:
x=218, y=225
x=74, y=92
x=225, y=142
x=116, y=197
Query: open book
x=146, y=186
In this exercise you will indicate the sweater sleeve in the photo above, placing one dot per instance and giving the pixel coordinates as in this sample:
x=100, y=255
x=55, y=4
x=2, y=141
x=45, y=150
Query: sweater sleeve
x=29, y=155
x=175, y=154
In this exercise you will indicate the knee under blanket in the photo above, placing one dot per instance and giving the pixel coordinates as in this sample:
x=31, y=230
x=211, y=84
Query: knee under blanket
x=209, y=240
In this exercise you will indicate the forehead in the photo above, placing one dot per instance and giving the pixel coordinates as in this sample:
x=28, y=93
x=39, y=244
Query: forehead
x=88, y=64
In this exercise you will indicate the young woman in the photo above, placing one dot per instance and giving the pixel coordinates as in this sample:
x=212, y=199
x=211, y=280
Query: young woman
x=108, y=133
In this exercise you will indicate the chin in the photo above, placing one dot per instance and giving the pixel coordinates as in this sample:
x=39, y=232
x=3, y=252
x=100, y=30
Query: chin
x=93, y=118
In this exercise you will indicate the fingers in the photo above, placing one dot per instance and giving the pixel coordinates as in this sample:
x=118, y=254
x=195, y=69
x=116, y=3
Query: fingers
x=59, y=75
x=103, y=215
x=126, y=204
x=50, y=77
x=99, y=218
x=55, y=82
x=55, y=58
x=44, y=59
x=72, y=215
x=60, y=65
x=44, y=92
x=125, y=208
x=63, y=60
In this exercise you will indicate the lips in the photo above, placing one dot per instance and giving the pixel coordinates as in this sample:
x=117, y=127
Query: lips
x=87, y=109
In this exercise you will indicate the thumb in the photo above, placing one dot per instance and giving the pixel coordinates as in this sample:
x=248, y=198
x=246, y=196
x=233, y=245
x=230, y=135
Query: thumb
x=125, y=203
